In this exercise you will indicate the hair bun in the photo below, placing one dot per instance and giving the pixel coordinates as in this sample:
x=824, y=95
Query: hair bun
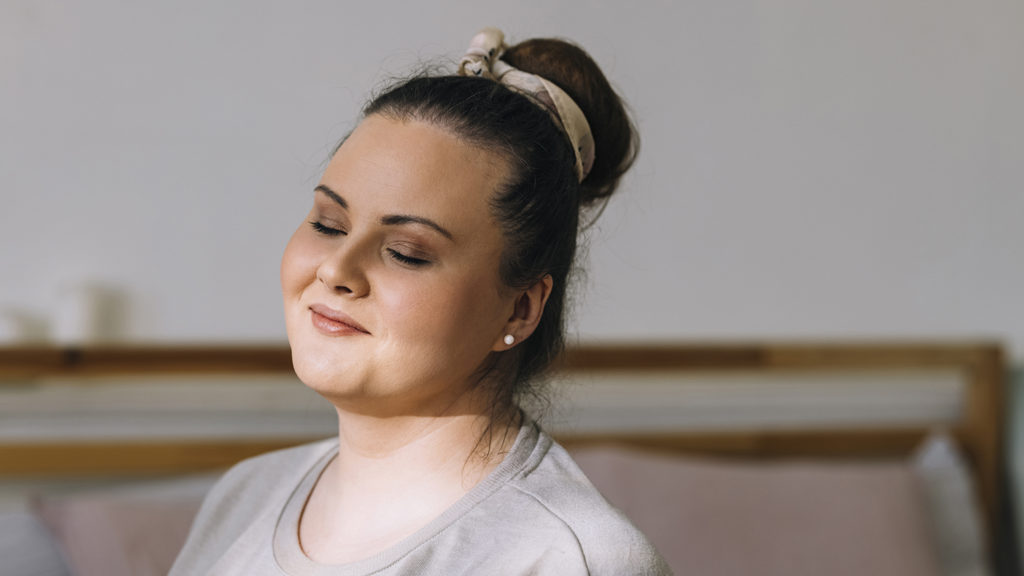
x=569, y=67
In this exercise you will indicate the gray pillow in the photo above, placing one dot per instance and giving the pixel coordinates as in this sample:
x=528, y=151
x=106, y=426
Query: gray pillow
x=28, y=548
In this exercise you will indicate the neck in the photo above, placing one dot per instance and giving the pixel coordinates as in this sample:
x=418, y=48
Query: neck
x=405, y=446
x=441, y=430
x=394, y=475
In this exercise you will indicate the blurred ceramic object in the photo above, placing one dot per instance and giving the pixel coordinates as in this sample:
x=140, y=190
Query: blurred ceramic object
x=12, y=330
x=85, y=313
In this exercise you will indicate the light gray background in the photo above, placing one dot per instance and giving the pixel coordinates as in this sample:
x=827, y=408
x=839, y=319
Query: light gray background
x=810, y=169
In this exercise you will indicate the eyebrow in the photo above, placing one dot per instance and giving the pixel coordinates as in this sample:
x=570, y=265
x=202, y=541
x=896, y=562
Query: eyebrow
x=390, y=220
x=332, y=195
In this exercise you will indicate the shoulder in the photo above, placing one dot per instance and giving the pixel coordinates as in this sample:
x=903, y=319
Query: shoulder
x=261, y=476
x=272, y=462
x=248, y=492
x=607, y=540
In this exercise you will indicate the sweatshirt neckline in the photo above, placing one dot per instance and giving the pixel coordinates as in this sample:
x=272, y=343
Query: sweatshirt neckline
x=294, y=562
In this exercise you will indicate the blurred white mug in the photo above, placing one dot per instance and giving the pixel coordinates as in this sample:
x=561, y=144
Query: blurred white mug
x=84, y=313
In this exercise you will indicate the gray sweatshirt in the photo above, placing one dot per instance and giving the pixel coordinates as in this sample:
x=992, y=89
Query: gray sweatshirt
x=536, y=513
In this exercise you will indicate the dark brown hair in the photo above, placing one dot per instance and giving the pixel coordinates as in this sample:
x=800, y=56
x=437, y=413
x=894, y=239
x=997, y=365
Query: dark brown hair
x=539, y=207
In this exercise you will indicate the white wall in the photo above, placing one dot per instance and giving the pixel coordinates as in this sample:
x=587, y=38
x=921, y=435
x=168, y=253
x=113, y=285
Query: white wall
x=809, y=168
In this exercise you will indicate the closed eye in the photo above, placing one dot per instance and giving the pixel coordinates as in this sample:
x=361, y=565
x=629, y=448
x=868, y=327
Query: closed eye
x=326, y=230
x=407, y=260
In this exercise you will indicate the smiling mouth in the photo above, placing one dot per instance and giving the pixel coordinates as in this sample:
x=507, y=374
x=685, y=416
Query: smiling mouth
x=333, y=322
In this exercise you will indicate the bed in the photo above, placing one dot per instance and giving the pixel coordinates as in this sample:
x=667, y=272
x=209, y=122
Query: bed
x=735, y=458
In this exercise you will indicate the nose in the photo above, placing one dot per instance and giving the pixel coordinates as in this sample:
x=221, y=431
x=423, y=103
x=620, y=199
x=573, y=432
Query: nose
x=344, y=270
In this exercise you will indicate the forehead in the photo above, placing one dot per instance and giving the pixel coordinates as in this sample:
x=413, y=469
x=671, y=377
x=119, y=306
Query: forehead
x=411, y=167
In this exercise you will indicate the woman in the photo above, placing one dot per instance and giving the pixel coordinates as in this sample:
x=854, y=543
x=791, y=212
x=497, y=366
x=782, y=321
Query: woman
x=423, y=295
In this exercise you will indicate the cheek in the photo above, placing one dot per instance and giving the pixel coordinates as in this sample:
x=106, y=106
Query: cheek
x=455, y=312
x=411, y=307
x=299, y=263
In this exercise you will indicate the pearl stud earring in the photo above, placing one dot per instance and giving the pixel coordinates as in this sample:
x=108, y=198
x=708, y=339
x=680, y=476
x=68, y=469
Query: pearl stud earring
x=510, y=339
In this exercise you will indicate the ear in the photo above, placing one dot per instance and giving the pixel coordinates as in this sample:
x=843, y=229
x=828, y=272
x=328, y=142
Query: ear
x=526, y=313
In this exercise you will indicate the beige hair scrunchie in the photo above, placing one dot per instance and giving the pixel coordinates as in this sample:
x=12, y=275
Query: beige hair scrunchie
x=483, y=59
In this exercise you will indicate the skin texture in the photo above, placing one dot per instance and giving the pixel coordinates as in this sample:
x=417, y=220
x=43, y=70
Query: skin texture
x=431, y=308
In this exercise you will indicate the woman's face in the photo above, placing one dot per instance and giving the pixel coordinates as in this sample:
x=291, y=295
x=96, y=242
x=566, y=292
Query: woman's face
x=391, y=290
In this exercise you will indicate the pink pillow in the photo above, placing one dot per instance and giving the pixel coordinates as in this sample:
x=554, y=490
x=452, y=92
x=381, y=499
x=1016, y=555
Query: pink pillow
x=772, y=519
x=125, y=532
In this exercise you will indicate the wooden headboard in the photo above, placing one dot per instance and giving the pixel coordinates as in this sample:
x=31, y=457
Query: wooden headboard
x=979, y=429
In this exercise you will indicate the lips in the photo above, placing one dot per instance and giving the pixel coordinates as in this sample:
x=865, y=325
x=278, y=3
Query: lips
x=334, y=322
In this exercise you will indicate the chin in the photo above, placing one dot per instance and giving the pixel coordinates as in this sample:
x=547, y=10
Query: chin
x=317, y=366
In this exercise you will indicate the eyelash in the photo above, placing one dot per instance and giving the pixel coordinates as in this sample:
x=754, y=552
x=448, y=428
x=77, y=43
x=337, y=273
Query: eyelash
x=398, y=256
x=407, y=260
x=326, y=230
